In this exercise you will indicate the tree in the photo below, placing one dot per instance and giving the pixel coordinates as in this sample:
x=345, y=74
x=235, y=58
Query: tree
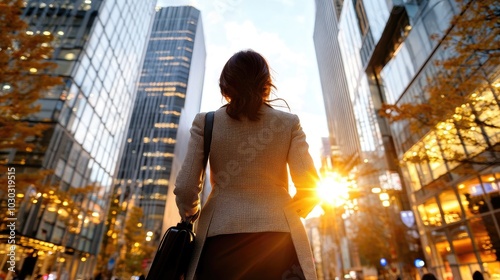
x=378, y=233
x=25, y=75
x=459, y=114
x=136, y=249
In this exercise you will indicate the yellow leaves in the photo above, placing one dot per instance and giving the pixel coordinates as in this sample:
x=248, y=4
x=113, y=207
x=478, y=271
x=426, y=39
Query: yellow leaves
x=460, y=96
x=25, y=76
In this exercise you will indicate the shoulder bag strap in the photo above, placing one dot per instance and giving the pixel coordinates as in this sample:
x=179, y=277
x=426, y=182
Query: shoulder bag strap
x=207, y=137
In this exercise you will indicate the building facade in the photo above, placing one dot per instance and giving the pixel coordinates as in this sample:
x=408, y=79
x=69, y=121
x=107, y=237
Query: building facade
x=346, y=36
x=343, y=135
x=457, y=211
x=98, y=51
x=168, y=97
x=389, y=50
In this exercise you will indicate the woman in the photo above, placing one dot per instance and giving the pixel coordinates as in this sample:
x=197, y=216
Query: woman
x=429, y=276
x=477, y=275
x=250, y=226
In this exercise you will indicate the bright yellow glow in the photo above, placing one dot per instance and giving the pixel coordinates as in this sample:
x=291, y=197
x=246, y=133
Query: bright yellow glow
x=386, y=203
x=148, y=238
x=33, y=70
x=136, y=244
x=428, y=249
x=384, y=196
x=333, y=189
x=376, y=190
x=149, y=233
x=139, y=224
x=62, y=212
x=316, y=212
x=83, y=259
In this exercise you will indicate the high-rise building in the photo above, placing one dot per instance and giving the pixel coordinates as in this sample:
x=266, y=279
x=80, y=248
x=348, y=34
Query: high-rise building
x=99, y=48
x=346, y=33
x=168, y=97
x=341, y=121
x=389, y=50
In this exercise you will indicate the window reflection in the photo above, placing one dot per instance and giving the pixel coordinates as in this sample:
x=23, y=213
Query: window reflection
x=450, y=206
x=483, y=241
x=462, y=244
x=429, y=212
x=441, y=245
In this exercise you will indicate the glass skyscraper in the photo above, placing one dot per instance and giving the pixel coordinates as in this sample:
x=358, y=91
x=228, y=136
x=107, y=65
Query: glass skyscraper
x=345, y=41
x=389, y=50
x=99, y=47
x=168, y=97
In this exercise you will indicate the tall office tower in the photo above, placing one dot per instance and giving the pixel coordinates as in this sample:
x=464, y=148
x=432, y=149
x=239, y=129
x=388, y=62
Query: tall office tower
x=340, y=116
x=389, y=49
x=168, y=97
x=99, y=47
x=344, y=43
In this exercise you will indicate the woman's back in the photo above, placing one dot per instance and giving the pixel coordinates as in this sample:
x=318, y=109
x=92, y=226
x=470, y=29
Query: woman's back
x=249, y=176
x=249, y=226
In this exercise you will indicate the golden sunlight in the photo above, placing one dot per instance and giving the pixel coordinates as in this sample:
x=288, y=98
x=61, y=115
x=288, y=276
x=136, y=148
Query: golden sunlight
x=333, y=189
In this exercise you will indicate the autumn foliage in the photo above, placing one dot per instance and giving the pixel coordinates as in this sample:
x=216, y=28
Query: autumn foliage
x=25, y=75
x=461, y=101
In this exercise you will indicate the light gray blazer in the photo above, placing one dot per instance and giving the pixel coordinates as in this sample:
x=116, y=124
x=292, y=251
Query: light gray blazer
x=249, y=178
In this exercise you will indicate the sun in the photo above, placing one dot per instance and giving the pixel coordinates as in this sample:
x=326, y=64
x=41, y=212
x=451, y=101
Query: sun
x=333, y=189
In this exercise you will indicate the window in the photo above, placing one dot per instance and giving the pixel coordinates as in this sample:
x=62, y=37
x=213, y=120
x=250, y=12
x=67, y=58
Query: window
x=361, y=14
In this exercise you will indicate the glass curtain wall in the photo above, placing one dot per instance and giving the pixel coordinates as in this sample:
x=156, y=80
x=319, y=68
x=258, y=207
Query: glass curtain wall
x=99, y=47
x=458, y=214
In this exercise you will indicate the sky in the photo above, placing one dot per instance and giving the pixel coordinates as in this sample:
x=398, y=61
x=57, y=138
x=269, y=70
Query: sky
x=281, y=31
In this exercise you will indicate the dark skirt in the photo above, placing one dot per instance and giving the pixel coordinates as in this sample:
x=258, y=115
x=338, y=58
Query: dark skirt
x=251, y=256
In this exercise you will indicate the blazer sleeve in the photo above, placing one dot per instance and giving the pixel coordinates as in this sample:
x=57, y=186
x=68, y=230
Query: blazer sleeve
x=188, y=183
x=303, y=172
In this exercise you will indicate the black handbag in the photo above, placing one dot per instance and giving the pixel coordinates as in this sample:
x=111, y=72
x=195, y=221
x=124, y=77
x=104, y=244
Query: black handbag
x=174, y=253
